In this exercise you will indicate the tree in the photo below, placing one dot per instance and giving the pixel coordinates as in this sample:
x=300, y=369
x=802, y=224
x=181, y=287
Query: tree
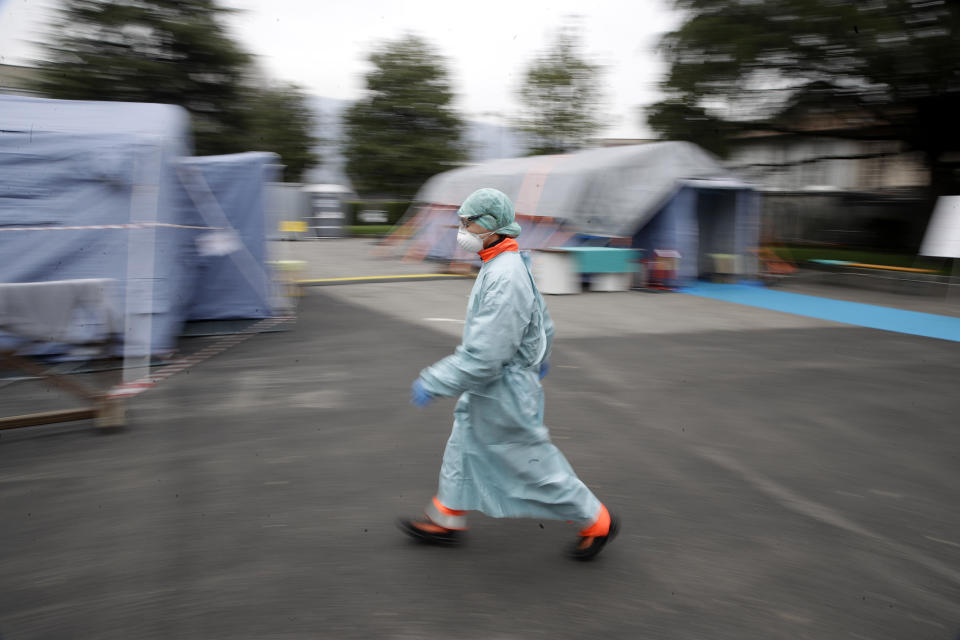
x=739, y=64
x=404, y=129
x=170, y=52
x=280, y=120
x=560, y=97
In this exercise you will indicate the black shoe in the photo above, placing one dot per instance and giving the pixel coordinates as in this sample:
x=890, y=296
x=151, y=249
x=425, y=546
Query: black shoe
x=430, y=533
x=587, y=547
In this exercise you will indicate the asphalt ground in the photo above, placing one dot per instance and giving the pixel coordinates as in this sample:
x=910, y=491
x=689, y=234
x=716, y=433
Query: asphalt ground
x=777, y=477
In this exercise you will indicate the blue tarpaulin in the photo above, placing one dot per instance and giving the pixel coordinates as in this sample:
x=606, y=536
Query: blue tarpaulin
x=864, y=315
x=227, y=192
x=94, y=179
x=107, y=191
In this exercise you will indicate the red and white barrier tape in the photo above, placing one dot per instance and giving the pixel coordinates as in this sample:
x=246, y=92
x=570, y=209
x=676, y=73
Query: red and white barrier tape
x=137, y=387
x=132, y=225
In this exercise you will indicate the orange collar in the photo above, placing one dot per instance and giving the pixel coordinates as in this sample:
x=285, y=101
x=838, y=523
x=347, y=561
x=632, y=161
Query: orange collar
x=508, y=244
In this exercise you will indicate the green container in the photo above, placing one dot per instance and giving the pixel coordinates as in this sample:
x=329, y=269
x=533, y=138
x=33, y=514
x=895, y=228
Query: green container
x=604, y=259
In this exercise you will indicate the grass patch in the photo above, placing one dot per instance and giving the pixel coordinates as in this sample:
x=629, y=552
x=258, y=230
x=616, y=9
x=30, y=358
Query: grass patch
x=369, y=229
x=800, y=255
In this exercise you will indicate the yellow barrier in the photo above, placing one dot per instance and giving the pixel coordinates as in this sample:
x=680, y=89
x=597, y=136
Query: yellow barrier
x=295, y=226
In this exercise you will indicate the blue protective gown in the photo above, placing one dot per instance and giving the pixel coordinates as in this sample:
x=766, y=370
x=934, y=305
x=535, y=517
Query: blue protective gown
x=499, y=459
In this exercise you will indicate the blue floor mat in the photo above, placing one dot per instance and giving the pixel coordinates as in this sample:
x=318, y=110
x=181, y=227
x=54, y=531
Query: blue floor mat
x=855, y=313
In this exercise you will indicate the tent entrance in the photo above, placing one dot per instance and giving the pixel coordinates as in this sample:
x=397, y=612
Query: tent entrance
x=716, y=231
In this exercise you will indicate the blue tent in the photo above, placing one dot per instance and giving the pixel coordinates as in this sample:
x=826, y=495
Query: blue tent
x=227, y=193
x=703, y=218
x=89, y=191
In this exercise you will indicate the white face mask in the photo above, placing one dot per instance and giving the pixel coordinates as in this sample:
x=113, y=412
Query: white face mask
x=471, y=242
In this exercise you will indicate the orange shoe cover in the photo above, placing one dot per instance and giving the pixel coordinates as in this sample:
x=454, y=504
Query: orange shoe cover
x=600, y=527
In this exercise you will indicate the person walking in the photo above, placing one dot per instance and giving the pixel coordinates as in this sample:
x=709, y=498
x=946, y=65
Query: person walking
x=499, y=459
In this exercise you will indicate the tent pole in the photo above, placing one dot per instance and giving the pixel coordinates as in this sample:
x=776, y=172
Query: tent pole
x=141, y=264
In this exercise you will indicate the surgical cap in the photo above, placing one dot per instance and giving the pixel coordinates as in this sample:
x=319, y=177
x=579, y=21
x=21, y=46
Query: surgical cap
x=492, y=210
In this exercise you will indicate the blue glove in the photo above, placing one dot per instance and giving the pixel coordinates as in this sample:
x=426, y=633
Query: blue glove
x=544, y=369
x=419, y=396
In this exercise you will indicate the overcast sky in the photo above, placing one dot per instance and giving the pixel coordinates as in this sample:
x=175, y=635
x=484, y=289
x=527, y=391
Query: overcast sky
x=322, y=45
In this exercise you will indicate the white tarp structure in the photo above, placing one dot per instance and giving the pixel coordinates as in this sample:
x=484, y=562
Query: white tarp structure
x=667, y=195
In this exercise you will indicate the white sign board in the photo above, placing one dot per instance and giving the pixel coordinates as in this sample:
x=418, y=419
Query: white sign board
x=219, y=243
x=942, y=238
